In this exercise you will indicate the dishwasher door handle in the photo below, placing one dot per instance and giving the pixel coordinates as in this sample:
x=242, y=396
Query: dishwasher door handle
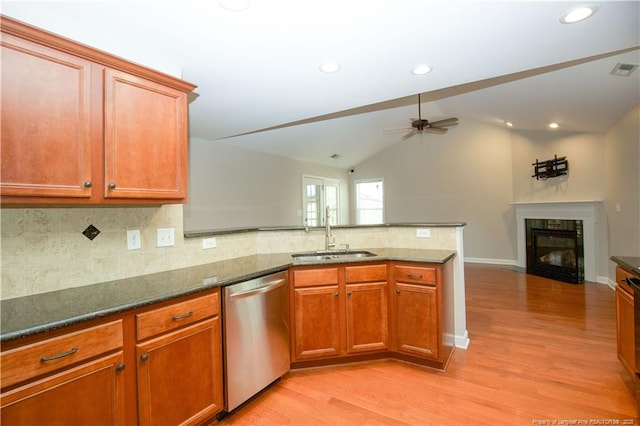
x=264, y=289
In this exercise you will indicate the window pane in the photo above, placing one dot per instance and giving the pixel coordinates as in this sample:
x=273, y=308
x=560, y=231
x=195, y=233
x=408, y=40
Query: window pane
x=369, y=202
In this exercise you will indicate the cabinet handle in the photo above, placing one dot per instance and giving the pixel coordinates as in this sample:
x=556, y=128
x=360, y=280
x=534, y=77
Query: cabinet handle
x=415, y=276
x=144, y=357
x=183, y=316
x=88, y=184
x=335, y=294
x=60, y=355
x=397, y=291
x=348, y=293
x=112, y=185
x=119, y=367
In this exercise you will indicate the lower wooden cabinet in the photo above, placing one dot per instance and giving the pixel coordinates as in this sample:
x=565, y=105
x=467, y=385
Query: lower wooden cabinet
x=71, y=379
x=180, y=376
x=317, y=331
x=179, y=362
x=153, y=366
x=625, y=327
x=90, y=394
x=416, y=325
x=361, y=311
x=337, y=312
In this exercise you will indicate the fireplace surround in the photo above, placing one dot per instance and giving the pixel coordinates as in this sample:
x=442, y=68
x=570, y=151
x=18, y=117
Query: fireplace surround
x=586, y=211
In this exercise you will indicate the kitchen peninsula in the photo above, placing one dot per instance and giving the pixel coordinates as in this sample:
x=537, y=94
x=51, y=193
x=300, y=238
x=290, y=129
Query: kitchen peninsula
x=111, y=335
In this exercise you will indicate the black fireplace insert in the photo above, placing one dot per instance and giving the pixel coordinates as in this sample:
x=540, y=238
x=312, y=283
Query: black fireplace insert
x=555, y=250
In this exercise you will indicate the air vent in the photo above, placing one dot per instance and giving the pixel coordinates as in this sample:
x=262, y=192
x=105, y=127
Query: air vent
x=623, y=70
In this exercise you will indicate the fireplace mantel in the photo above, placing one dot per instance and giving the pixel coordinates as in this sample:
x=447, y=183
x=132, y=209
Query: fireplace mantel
x=570, y=210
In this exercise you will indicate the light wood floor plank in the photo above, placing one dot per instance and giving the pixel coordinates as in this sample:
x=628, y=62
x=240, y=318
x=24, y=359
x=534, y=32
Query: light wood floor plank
x=541, y=350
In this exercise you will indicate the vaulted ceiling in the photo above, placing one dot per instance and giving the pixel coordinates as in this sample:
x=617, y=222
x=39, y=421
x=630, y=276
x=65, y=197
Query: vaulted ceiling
x=260, y=87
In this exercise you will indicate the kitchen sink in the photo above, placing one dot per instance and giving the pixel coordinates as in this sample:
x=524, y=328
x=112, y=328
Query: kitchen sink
x=332, y=255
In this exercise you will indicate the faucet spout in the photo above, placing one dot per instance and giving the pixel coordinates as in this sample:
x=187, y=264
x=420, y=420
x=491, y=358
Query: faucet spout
x=329, y=240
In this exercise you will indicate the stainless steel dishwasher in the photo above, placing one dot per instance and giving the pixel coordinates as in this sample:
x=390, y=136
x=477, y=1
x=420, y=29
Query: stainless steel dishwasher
x=256, y=336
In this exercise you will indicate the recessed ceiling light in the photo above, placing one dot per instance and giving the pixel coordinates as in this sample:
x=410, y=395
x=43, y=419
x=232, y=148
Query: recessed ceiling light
x=554, y=125
x=335, y=156
x=235, y=5
x=330, y=67
x=578, y=14
x=508, y=124
x=421, y=69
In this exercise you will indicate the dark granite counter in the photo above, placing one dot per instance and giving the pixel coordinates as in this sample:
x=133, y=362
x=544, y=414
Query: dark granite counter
x=632, y=264
x=24, y=316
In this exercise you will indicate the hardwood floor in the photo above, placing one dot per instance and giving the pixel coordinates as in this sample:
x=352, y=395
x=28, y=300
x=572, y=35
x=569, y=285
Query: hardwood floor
x=541, y=351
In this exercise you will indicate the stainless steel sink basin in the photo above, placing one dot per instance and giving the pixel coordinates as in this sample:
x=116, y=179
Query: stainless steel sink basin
x=329, y=255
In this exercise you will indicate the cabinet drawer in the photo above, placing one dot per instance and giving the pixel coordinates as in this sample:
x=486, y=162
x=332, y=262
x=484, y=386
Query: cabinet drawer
x=366, y=273
x=39, y=358
x=177, y=315
x=311, y=277
x=414, y=274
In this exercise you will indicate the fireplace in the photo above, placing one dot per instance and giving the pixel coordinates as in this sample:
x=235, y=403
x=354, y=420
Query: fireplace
x=593, y=231
x=555, y=249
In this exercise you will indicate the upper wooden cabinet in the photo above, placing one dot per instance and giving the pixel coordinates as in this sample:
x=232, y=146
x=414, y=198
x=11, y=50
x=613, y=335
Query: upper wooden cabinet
x=80, y=126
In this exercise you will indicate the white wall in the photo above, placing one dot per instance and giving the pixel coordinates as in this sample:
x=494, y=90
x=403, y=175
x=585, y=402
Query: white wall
x=235, y=187
x=622, y=154
x=464, y=175
x=584, y=152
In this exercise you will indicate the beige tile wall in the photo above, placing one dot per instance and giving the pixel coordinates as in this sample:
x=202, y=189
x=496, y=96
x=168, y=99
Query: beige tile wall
x=44, y=250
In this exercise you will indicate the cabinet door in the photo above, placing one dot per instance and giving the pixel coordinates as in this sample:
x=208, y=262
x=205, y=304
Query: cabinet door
x=89, y=394
x=625, y=329
x=317, y=322
x=46, y=121
x=180, y=375
x=416, y=309
x=145, y=138
x=367, y=319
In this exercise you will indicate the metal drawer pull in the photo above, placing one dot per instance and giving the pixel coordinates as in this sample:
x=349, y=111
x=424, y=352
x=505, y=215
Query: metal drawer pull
x=183, y=316
x=60, y=355
x=415, y=276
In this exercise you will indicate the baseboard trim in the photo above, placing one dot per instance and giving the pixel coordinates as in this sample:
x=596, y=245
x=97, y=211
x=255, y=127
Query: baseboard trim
x=462, y=342
x=508, y=262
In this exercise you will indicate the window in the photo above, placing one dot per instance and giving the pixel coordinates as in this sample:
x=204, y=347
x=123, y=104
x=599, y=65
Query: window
x=369, y=201
x=318, y=193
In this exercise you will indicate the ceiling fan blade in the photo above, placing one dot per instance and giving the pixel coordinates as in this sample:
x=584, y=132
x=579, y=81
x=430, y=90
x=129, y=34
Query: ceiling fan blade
x=403, y=129
x=436, y=130
x=408, y=135
x=446, y=122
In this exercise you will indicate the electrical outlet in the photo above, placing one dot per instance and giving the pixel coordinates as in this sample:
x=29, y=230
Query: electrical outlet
x=133, y=239
x=166, y=237
x=423, y=233
x=208, y=243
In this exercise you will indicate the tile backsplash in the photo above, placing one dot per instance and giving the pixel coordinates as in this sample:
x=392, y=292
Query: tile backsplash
x=43, y=249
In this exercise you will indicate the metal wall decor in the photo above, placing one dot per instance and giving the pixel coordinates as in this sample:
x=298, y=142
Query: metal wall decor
x=550, y=168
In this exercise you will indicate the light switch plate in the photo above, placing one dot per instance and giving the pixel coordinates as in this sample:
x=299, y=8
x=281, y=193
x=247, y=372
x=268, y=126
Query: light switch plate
x=423, y=233
x=208, y=243
x=166, y=237
x=133, y=239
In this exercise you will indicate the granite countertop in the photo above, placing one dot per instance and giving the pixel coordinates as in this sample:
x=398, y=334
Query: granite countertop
x=24, y=316
x=628, y=262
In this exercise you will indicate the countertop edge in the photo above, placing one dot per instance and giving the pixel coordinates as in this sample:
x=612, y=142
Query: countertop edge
x=241, y=230
x=630, y=263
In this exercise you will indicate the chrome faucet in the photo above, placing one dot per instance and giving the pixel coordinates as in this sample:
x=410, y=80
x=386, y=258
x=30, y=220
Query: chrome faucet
x=329, y=240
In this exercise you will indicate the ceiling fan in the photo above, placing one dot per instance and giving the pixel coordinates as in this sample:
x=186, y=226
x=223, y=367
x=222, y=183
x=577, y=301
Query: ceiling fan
x=420, y=125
